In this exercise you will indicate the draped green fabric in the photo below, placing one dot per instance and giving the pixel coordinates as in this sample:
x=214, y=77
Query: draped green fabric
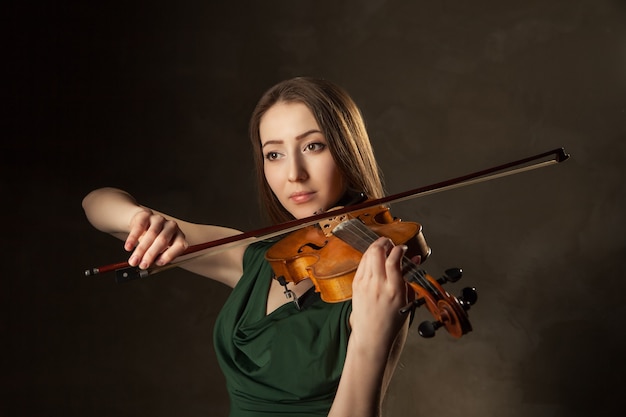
x=287, y=363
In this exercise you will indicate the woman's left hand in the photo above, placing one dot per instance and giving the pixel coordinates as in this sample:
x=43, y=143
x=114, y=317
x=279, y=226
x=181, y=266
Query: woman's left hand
x=379, y=292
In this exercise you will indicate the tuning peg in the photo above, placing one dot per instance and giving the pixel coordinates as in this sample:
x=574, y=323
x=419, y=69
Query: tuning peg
x=468, y=297
x=451, y=275
x=412, y=305
x=427, y=329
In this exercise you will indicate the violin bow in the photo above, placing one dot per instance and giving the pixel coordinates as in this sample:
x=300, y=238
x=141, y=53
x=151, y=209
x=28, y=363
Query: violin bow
x=124, y=272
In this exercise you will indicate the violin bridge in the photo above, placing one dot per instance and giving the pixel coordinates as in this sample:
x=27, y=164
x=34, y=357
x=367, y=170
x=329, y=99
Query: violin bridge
x=329, y=224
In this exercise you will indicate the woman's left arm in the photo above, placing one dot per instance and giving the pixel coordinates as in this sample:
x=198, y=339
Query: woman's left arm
x=378, y=331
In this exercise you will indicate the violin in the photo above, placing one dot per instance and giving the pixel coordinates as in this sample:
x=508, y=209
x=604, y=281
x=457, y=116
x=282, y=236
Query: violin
x=329, y=253
x=327, y=248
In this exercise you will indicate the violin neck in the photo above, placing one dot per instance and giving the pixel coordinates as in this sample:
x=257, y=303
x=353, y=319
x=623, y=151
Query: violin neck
x=356, y=234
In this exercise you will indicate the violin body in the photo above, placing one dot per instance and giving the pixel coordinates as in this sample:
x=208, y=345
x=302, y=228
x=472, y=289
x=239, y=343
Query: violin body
x=332, y=279
x=329, y=254
x=329, y=262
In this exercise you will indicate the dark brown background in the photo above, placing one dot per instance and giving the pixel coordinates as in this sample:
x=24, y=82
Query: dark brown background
x=154, y=97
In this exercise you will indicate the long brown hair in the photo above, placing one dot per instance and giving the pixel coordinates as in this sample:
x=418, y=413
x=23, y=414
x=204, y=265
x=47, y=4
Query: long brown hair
x=341, y=123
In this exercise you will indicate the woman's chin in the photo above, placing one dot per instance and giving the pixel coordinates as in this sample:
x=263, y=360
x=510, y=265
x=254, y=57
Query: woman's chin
x=304, y=210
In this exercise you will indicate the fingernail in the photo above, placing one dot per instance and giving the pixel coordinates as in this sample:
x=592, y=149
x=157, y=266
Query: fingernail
x=132, y=261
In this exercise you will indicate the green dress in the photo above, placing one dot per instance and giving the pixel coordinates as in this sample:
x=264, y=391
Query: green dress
x=287, y=363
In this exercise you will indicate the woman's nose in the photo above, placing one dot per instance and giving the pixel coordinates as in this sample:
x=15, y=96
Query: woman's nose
x=297, y=170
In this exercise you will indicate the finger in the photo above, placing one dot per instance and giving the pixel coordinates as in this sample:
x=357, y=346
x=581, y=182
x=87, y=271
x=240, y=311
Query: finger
x=150, y=245
x=381, y=248
x=393, y=266
x=176, y=248
x=417, y=259
x=386, y=243
x=166, y=245
x=372, y=265
x=396, y=254
x=139, y=224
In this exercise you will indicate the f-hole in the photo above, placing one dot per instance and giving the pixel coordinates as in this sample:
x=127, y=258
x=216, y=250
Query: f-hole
x=312, y=246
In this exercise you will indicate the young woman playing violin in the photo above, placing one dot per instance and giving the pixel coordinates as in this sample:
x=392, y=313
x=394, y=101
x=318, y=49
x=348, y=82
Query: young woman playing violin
x=314, y=359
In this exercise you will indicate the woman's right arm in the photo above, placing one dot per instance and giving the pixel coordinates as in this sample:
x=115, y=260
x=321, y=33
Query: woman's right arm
x=155, y=238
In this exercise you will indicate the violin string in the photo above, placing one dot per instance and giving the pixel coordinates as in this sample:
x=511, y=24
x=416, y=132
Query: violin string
x=359, y=236
x=368, y=236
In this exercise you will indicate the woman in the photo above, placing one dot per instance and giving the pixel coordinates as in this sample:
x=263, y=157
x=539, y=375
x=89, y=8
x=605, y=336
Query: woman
x=314, y=359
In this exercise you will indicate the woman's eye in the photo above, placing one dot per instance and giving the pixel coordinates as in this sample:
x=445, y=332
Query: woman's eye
x=271, y=156
x=317, y=146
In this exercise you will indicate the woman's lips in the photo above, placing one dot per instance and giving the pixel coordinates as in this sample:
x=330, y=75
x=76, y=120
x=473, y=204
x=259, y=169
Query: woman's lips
x=301, y=197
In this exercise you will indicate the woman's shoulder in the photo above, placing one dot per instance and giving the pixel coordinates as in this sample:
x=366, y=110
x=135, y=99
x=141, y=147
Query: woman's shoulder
x=255, y=252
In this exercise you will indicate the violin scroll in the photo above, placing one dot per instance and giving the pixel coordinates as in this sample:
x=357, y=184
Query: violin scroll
x=449, y=311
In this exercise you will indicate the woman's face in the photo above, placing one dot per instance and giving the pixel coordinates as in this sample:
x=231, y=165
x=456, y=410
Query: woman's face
x=298, y=165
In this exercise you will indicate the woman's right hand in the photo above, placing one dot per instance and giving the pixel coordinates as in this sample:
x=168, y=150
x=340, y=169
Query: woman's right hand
x=153, y=239
x=149, y=235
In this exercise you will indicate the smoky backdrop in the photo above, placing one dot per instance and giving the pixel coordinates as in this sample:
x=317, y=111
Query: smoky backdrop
x=154, y=97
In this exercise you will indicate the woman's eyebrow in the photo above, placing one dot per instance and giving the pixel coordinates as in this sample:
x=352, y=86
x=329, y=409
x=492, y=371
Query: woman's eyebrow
x=300, y=136
x=271, y=142
x=307, y=133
